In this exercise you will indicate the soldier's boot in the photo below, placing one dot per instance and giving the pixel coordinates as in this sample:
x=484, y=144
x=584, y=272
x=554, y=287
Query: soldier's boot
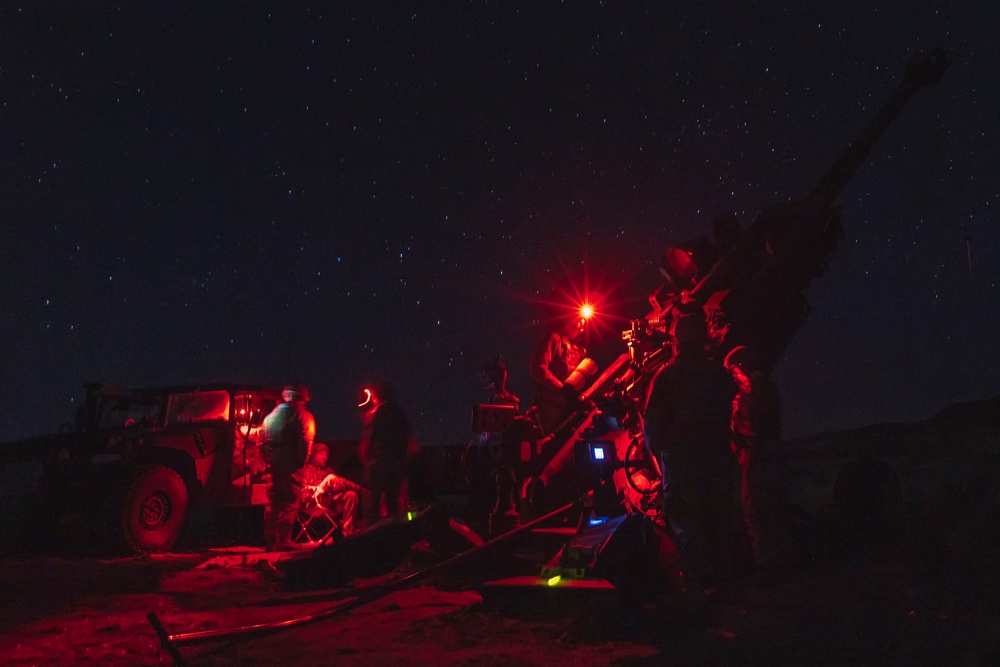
x=283, y=538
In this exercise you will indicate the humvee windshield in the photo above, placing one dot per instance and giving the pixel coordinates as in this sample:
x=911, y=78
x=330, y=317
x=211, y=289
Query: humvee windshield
x=118, y=412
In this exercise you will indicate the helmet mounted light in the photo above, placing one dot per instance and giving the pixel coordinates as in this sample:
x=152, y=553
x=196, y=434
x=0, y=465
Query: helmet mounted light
x=365, y=396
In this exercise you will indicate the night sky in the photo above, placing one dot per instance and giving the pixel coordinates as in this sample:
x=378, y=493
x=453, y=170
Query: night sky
x=331, y=193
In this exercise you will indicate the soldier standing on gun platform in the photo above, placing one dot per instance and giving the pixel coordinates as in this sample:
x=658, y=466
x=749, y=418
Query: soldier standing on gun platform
x=555, y=357
x=687, y=425
x=757, y=440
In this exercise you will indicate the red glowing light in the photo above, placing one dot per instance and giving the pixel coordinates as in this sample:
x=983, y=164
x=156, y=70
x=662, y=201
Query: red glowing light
x=368, y=397
x=586, y=311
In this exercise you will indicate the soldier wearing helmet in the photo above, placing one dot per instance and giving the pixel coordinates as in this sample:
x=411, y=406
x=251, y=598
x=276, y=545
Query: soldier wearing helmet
x=289, y=431
x=687, y=425
x=385, y=439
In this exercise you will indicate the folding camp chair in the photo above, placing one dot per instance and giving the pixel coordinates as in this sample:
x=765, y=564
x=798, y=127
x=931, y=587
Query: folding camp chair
x=314, y=525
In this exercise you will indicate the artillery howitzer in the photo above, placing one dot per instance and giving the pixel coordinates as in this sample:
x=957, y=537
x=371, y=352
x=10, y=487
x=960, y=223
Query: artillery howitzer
x=749, y=283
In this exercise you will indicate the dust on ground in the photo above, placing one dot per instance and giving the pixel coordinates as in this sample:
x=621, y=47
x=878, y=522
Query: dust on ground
x=919, y=601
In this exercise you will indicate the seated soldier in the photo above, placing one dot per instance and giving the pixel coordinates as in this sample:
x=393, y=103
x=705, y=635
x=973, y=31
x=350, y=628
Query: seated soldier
x=320, y=486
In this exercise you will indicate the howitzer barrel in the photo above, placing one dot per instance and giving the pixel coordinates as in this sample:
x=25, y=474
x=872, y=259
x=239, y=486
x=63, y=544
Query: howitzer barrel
x=794, y=227
x=756, y=290
x=922, y=72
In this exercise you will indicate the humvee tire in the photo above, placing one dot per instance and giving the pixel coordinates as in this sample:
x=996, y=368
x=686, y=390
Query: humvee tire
x=154, y=509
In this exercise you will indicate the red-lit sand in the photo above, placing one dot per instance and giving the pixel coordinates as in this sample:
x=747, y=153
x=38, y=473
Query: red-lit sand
x=897, y=606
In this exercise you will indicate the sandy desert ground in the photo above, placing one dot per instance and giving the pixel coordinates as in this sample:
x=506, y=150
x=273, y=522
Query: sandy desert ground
x=932, y=598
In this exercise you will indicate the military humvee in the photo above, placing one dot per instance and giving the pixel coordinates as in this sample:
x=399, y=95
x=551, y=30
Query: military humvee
x=142, y=459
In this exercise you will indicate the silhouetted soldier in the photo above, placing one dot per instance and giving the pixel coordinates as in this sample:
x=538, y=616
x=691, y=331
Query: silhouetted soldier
x=385, y=438
x=757, y=440
x=687, y=424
